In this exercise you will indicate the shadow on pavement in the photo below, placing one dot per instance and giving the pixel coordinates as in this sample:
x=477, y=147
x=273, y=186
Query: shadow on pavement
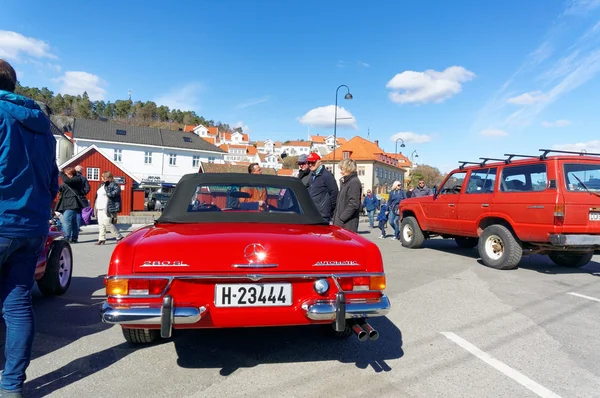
x=232, y=349
x=60, y=321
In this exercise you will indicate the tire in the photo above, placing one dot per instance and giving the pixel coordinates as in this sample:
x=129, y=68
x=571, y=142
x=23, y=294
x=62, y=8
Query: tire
x=466, y=243
x=347, y=332
x=140, y=336
x=411, y=234
x=498, y=248
x=59, y=270
x=571, y=260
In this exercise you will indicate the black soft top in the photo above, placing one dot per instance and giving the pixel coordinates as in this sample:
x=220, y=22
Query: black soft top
x=176, y=210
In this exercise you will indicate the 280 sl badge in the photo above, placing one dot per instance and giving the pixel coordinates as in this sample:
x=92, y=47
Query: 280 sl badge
x=335, y=263
x=164, y=264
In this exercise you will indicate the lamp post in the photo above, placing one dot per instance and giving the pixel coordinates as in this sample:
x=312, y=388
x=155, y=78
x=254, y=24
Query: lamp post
x=397, y=161
x=348, y=96
x=413, y=156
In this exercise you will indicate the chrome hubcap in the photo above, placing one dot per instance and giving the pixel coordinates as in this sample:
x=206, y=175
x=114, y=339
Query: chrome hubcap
x=494, y=247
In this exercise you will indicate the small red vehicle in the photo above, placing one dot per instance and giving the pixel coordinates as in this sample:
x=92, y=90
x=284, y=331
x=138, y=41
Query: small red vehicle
x=55, y=265
x=235, y=250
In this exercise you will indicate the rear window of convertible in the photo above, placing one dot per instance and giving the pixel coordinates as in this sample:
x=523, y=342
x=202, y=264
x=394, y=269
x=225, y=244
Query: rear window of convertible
x=243, y=198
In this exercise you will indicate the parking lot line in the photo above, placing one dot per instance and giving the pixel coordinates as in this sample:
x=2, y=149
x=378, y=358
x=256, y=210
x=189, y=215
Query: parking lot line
x=583, y=296
x=507, y=370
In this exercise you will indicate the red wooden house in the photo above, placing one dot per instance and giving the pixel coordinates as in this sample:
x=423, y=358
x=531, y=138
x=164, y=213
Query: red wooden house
x=94, y=163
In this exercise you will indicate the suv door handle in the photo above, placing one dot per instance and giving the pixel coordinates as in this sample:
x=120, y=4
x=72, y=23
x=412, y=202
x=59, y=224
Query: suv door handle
x=451, y=205
x=485, y=205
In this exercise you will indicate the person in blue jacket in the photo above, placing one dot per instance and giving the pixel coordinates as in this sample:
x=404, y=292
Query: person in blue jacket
x=371, y=203
x=28, y=185
x=382, y=218
x=397, y=195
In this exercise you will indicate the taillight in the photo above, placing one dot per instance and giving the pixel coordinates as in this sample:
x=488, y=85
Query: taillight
x=559, y=215
x=367, y=282
x=135, y=287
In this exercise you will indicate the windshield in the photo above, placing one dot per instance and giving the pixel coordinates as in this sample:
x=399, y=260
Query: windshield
x=586, y=173
x=243, y=198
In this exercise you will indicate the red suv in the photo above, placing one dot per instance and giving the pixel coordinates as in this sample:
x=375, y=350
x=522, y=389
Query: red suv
x=535, y=205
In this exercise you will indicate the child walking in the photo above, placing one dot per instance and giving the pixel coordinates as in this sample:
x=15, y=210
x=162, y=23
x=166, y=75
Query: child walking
x=382, y=217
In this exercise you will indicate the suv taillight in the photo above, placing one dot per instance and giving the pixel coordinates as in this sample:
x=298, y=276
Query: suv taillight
x=559, y=215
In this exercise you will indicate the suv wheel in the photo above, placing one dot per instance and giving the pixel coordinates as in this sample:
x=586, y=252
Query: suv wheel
x=499, y=248
x=573, y=260
x=411, y=234
x=466, y=243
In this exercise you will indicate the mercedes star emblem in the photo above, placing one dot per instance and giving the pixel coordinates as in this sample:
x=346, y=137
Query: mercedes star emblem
x=255, y=253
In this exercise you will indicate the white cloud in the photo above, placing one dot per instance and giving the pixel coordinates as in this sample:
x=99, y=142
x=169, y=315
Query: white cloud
x=558, y=123
x=253, y=101
x=75, y=83
x=184, y=98
x=324, y=115
x=429, y=86
x=244, y=127
x=531, y=98
x=410, y=137
x=581, y=6
x=363, y=64
x=493, y=133
x=590, y=146
x=13, y=45
x=341, y=64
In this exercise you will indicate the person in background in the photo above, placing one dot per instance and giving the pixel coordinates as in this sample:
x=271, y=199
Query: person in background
x=70, y=202
x=108, y=204
x=85, y=191
x=347, y=210
x=304, y=171
x=322, y=189
x=28, y=186
x=382, y=218
x=371, y=203
x=421, y=190
x=396, y=196
x=409, y=192
x=257, y=194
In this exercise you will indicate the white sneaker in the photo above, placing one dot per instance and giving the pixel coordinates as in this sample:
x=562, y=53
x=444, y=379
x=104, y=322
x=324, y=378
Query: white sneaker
x=382, y=237
x=394, y=238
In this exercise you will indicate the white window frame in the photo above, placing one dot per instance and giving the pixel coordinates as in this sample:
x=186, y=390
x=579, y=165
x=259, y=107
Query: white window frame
x=118, y=155
x=148, y=157
x=196, y=161
x=172, y=159
x=211, y=159
x=92, y=173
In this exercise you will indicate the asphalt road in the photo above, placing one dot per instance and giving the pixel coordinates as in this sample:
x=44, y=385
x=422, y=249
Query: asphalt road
x=457, y=329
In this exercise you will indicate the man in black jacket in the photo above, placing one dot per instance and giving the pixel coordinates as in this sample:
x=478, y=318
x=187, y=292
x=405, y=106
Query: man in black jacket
x=322, y=188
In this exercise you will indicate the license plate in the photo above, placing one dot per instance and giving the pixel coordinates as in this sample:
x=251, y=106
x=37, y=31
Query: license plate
x=253, y=295
x=595, y=216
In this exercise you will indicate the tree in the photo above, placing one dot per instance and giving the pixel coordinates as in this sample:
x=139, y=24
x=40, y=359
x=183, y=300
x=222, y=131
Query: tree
x=163, y=113
x=290, y=162
x=84, y=106
x=431, y=175
x=122, y=108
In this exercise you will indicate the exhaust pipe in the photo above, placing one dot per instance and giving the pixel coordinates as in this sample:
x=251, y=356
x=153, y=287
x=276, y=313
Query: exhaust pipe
x=368, y=329
x=360, y=332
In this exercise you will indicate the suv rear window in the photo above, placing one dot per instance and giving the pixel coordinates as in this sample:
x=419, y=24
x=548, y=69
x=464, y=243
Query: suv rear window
x=528, y=178
x=579, y=176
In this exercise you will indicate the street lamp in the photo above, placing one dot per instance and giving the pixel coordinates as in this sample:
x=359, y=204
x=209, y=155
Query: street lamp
x=397, y=160
x=348, y=96
x=413, y=156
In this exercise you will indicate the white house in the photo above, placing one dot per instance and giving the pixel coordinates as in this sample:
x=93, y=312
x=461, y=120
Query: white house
x=152, y=155
x=269, y=146
x=296, y=148
x=323, y=143
x=240, y=153
x=271, y=161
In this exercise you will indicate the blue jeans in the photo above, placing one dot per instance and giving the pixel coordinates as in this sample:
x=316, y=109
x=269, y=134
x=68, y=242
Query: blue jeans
x=70, y=227
x=18, y=259
x=371, y=214
x=393, y=219
x=79, y=221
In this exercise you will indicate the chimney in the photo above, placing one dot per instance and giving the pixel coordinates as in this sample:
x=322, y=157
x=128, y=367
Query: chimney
x=377, y=143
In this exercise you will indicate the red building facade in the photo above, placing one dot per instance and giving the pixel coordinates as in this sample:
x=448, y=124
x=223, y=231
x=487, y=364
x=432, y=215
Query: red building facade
x=95, y=163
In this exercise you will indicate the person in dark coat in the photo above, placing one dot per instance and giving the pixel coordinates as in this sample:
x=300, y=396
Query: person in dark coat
x=422, y=190
x=304, y=171
x=322, y=187
x=85, y=191
x=347, y=209
x=70, y=202
x=397, y=194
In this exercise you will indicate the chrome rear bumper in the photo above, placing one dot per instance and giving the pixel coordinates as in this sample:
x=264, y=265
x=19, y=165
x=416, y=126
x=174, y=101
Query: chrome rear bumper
x=328, y=310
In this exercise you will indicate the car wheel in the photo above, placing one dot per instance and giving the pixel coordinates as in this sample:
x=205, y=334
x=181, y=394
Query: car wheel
x=140, y=336
x=411, y=234
x=499, y=248
x=466, y=243
x=59, y=269
x=572, y=260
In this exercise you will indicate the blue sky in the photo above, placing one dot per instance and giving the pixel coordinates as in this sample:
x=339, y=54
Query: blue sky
x=456, y=80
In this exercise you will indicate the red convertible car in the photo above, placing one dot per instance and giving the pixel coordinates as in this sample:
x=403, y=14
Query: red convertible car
x=235, y=250
x=55, y=265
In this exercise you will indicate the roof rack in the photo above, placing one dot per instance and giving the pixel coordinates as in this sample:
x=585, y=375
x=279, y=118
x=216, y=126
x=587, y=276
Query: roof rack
x=583, y=152
x=464, y=163
x=513, y=155
x=485, y=160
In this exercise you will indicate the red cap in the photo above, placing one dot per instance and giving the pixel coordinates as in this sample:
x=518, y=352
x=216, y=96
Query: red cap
x=313, y=157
